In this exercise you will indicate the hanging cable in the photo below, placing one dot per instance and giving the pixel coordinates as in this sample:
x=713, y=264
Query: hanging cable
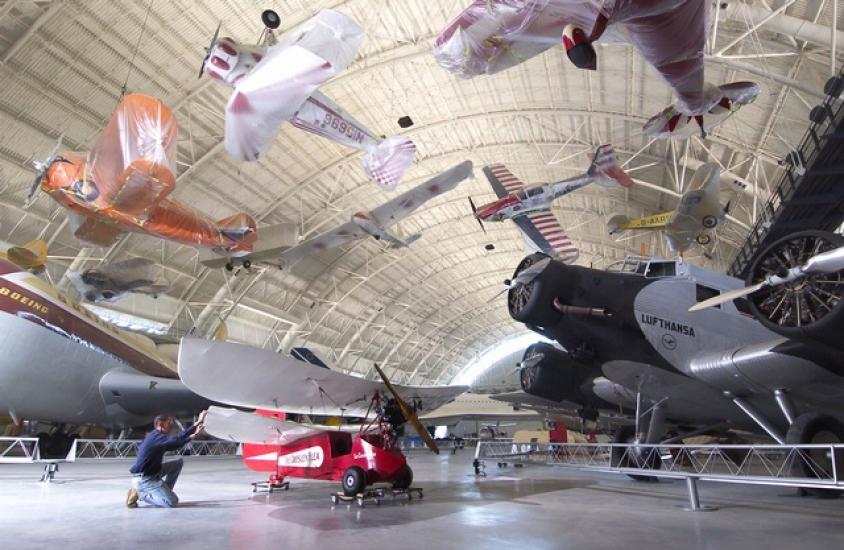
x=123, y=90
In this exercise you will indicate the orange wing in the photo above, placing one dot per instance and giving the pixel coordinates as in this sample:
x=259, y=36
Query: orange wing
x=134, y=161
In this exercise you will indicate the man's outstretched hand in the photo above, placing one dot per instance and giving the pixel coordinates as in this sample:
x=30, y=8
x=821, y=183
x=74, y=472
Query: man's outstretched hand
x=201, y=418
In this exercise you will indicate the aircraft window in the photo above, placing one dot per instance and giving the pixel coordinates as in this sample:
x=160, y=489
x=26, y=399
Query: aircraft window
x=742, y=306
x=521, y=195
x=705, y=293
x=641, y=268
x=534, y=192
x=662, y=269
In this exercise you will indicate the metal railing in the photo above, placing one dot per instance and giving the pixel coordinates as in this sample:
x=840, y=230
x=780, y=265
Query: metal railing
x=16, y=450
x=816, y=466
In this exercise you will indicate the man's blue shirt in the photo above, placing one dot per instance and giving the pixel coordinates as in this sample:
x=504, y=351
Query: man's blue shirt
x=152, y=449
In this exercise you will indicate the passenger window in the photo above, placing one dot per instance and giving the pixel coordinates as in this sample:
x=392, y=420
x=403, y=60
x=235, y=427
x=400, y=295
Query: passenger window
x=705, y=293
x=662, y=269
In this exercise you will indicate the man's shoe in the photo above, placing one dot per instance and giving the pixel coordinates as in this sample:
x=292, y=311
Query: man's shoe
x=132, y=498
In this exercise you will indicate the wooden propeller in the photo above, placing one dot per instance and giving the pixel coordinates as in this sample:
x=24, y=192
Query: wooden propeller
x=408, y=413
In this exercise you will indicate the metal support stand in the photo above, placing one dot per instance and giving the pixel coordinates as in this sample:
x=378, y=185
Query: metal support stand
x=786, y=405
x=694, y=498
x=757, y=417
x=50, y=469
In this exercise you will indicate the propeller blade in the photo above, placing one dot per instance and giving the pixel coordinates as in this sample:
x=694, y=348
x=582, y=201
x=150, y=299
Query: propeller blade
x=531, y=273
x=728, y=296
x=475, y=214
x=43, y=168
x=827, y=262
x=209, y=48
x=408, y=413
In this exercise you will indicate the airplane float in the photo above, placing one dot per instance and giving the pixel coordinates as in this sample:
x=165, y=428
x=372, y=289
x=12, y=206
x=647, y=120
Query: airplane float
x=110, y=282
x=769, y=364
x=376, y=222
x=530, y=207
x=278, y=81
x=123, y=185
x=63, y=365
x=694, y=220
x=274, y=385
x=491, y=36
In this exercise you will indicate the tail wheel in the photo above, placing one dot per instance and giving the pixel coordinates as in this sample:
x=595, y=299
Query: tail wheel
x=815, y=428
x=703, y=239
x=354, y=480
x=270, y=19
x=805, y=301
x=404, y=479
x=709, y=221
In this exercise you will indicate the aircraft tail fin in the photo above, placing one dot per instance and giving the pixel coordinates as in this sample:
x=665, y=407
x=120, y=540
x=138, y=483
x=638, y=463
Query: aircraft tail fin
x=387, y=161
x=240, y=228
x=606, y=170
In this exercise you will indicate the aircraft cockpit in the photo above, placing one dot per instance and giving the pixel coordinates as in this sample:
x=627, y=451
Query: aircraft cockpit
x=651, y=268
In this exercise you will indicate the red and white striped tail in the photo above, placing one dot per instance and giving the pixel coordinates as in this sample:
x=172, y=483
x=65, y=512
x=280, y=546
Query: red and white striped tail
x=387, y=161
x=511, y=183
x=606, y=170
x=548, y=226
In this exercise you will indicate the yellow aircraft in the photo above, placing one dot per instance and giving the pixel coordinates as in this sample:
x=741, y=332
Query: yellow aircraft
x=697, y=215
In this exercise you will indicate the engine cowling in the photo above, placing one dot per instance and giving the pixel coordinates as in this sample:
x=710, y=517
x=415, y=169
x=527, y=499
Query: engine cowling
x=553, y=374
x=809, y=309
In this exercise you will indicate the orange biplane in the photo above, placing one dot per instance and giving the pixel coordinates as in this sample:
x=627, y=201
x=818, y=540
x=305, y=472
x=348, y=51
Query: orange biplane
x=124, y=184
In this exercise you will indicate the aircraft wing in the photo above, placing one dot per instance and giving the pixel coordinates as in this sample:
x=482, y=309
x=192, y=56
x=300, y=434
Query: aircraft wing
x=133, y=163
x=145, y=396
x=340, y=235
x=502, y=180
x=402, y=206
x=246, y=427
x=543, y=232
x=244, y=376
x=655, y=221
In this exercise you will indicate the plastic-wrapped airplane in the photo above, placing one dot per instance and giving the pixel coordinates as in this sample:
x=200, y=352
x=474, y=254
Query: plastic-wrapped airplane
x=110, y=282
x=376, y=222
x=278, y=81
x=274, y=385
x=61, y=364
x=123, y=185
x=530, y=207
x=697, y=214
x=490, y=36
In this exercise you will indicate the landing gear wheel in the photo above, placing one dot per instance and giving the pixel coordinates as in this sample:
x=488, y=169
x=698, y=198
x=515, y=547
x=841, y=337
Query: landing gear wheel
x=229, y=266
x=270, y=19
x=354, y=480
x=709, y=221
x=807, y=308
x=703, y=239
x=822, y=429
x=247, y=264
x=628, y=458
x=404, y=479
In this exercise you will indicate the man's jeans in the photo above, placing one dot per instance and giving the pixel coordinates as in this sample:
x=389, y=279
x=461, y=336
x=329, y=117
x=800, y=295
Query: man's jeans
x=157, y=490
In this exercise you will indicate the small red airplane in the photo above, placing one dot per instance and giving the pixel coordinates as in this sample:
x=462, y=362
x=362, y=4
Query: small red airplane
x=530, y=207
x=274, y=385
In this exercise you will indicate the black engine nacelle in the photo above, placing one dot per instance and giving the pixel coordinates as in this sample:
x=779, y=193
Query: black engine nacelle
x=809, y=309
x=553, y=374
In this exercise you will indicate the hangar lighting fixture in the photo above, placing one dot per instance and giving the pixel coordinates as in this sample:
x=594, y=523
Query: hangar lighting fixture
x=494, y=354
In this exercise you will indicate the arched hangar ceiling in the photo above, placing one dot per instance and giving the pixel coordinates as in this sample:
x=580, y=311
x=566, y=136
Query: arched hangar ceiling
x=426, y=310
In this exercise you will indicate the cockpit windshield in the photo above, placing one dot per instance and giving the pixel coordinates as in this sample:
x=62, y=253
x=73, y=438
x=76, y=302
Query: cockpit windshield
x=646, y=267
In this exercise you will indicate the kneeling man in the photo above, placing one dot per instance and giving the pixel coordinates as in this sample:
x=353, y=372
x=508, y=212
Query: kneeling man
x=155, y=479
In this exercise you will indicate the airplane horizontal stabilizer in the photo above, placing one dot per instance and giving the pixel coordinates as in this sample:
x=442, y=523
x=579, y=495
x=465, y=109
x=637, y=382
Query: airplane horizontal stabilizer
x=606, y=170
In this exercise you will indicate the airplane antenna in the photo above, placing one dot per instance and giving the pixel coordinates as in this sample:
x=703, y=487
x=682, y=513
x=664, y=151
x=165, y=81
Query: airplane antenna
x=135, y=53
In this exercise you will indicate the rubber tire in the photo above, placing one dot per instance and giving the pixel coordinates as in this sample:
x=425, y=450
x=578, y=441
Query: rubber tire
x=625, y=434
x=354, y=480
x=703, y=239
x=229, y=267
x=404, y=479
x=270, y=19
x=709, y=221
x=804, y=429
x=247, y=264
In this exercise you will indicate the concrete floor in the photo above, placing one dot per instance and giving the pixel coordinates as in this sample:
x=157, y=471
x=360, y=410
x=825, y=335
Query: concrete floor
x=530, y=508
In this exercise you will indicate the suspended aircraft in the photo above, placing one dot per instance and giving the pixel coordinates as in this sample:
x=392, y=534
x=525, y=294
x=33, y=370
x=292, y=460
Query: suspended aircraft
x=63, y=365
x=110, y=282
x=694, y=220
x=123, y=185
x=278, y=80
x=275, y=385
x=530, y=207
x=770, y=364
x=376, y=222
x=491, y=36
x=32, y=256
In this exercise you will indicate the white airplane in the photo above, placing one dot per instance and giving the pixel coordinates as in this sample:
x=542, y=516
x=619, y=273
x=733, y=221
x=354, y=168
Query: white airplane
x=530, y=207
x=278, y=81
x=376, y=222
x=110, y=282
x=697, y=215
